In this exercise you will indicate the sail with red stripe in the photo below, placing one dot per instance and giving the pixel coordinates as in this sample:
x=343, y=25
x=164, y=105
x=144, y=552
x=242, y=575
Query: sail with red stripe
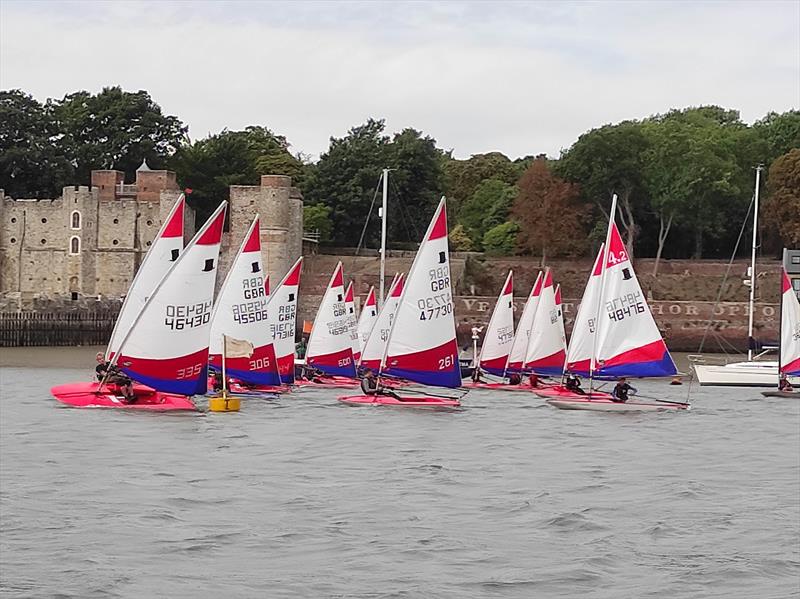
x=352, y=321
x=628, y=340
x=282, y=313
x=375, y=347
x=422, y=343
x=241, y=313
x=560, y=313
x=579, y=352
x=516, y=358
x=366, y=322
x=164, y=250
x=546, y=347
x=329, y=346
x=790, y=329
x=167, y=345
x=500, y=332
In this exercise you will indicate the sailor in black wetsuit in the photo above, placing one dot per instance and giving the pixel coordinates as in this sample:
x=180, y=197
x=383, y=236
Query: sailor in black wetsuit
x=112, y=375
x=370, y=386
x=621, y=390
x=573, y=383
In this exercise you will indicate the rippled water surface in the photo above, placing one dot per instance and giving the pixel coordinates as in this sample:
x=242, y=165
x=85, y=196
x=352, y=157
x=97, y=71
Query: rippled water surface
x=304, y=497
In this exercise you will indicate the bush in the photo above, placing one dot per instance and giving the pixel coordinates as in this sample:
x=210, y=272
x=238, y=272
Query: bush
x=501, y=240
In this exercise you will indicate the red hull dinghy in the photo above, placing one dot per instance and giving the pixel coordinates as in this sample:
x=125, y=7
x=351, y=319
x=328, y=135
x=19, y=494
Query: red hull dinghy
x=421, y=344
x=90, y=395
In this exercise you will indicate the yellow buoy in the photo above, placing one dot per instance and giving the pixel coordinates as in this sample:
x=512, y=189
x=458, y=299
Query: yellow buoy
x=224, y=403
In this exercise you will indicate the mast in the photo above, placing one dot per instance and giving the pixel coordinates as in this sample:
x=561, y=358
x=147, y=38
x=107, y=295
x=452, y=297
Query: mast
x=593, y=359
x=383, y=231
x=750, y=342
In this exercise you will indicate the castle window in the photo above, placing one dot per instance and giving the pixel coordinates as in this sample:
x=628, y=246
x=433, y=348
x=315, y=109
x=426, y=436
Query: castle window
x=43, y=241
x=44, y=220
x=74, y=296
x=116, y=221
x=115, y=242
x=75, y=245
x=75, y=220
x=148, y=243
x=13, y=220
x=13, y=240
x=149, y=223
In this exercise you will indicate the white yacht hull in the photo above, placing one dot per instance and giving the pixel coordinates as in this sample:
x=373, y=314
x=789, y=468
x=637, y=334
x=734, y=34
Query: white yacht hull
x=740, y=374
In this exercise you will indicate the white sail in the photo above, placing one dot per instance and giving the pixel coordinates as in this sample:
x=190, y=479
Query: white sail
x=329, y=346
x=581, y=342
x=422, y=343
x=241, y=313
x=366, y=321
x=516, y=359
x=167, y=345
x=163, y=252
x=500, y=332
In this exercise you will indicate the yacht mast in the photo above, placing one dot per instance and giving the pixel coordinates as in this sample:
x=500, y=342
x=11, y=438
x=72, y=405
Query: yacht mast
x=383, y=233
x=750, y=341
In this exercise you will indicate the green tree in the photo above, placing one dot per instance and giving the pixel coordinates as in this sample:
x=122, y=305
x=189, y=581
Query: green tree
x=210, y=166
x=462, y=177
x=501, y=240
x=32, y=161
x=780, y=132
x=609, y=160
x=317, y=217
x=417, y=184
x=115, y=130
x=459, y=240
x=696, y=173
x=488, y=206
x=346, y=178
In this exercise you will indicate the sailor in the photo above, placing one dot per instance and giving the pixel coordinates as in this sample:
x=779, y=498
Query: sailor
x=109, y=373
x=514, y=379
x=533, y=380
x=573, y=383
x=476, y=375
x=621, y=390
x=784, y=384
x=370, y=386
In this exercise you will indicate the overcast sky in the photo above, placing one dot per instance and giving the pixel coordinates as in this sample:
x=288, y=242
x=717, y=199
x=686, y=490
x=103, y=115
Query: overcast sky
x=518, y=77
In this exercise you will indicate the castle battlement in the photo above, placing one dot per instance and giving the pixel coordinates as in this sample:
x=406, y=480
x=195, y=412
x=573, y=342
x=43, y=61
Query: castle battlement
x=90, y=241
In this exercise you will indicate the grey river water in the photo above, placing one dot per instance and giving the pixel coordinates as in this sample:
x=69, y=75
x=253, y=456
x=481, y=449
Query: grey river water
x=303, y=497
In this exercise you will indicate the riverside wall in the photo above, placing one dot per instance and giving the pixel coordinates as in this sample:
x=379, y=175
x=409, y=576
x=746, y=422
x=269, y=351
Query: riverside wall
x=683, y=323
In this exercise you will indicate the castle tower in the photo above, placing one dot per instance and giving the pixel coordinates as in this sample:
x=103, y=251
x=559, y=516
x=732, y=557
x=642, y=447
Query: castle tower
x=281, y=209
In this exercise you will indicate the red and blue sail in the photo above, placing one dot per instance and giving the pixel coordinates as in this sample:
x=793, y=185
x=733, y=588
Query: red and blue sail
x=628, y=343
x=167, y=345
x=330, y=347
x=422, y=344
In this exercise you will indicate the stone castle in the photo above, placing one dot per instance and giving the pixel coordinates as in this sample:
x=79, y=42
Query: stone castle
x=88, y=243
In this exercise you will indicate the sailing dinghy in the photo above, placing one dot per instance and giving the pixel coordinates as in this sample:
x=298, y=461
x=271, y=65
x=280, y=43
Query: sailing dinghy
x=352, y=321
x=366, y=322
x=519, y=346
x=546, y=352
x=375, y=346
x=422, y=344
x=790, y=337
x=166, y=346
x=241, y=313
x=330, y=348
x=498, y=340
x=626, y=341
x=282, y=313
